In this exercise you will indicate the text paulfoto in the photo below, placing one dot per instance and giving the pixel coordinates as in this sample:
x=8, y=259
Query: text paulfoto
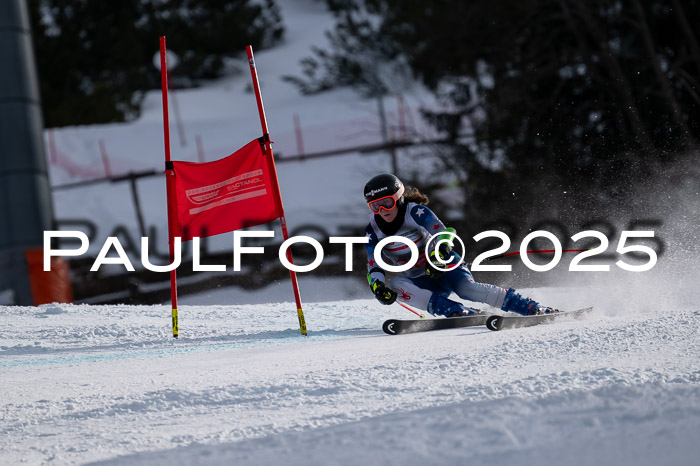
x=112, y=244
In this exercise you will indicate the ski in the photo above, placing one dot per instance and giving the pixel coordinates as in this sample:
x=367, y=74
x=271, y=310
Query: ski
x=496, y=322
x=400, y=327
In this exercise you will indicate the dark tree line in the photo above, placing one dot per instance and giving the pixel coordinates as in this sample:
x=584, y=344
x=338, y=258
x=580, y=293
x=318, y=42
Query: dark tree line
x=95, y=58
x=553, y=104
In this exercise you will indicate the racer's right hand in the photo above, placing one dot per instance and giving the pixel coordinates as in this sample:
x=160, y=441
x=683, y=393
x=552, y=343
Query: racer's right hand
x=383, y=293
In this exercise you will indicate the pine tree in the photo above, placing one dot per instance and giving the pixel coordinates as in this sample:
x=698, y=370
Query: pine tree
x=95, y=59
x=541, y=96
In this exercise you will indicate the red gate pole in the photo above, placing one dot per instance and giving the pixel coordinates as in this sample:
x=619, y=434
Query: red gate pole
x=169, y=186
x=275, y=183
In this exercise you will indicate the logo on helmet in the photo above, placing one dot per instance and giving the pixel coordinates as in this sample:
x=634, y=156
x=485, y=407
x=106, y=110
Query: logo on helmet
x=375, y=191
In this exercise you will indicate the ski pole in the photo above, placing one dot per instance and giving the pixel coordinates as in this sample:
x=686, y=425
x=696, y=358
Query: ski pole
x=422, y=316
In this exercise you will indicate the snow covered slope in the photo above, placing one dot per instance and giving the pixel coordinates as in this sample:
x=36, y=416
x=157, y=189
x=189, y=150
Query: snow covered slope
x=241, y=386
x=108, y=384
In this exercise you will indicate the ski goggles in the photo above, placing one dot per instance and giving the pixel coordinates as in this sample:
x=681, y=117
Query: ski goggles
x=386, y=203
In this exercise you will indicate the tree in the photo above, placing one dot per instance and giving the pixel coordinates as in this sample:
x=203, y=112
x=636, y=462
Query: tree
x=543, y=96
x=360, y=56
x=95, y=59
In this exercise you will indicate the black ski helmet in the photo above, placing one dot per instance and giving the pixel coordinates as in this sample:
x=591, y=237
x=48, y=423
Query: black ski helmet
x=383, y=185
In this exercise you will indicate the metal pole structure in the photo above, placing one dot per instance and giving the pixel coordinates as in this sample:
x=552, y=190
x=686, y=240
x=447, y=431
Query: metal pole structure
x=169, y=186
x=200, y=148
x=402, y=118
x=299, y=136
x=137, y=204
x=25, y=197
x=132, y=178
x=105, y=159
x=178, y=119
x=385, y=134
x=275, y=183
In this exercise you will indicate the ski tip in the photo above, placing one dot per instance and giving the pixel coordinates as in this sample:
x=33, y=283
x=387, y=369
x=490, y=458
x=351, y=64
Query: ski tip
x=494, y=322
x=389, y=327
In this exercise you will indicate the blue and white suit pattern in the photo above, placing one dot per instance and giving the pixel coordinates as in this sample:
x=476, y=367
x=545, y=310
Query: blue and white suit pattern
x=413, y=286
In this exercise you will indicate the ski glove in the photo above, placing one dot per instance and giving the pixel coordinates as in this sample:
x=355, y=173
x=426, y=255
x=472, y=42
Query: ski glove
x=443, y=253
x=383, y=293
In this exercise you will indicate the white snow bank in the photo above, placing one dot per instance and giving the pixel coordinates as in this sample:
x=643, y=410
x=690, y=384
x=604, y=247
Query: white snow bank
x=241, y=386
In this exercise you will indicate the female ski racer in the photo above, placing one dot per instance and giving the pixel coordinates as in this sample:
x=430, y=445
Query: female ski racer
x=399, y=211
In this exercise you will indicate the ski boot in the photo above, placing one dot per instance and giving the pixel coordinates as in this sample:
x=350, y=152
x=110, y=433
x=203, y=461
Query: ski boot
x=513, y=302
x=441, y=306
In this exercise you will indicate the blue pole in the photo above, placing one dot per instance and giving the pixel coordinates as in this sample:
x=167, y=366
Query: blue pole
x=25, y=198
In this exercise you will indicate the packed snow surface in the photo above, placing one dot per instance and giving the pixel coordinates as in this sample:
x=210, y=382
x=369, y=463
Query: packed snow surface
x=85, y=383
x=241, y=386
